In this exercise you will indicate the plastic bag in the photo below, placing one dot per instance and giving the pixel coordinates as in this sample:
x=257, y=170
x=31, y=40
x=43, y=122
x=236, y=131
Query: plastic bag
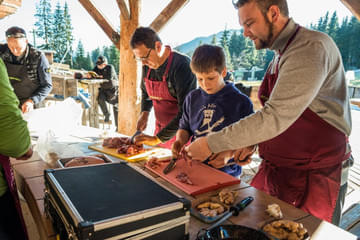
x=50, y=148
x=51, y=125
x=60, y=118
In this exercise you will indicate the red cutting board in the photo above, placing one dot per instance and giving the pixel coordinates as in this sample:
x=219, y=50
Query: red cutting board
x=204, y=177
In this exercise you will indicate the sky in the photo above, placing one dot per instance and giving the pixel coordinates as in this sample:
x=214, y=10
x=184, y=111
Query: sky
x=197, y=18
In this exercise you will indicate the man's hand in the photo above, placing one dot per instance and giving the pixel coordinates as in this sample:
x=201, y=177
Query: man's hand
x=199, y=149
x=142, y=121
x=176, y=148
x=146, y=139
x=27, y=155
x=27, y=106
x=219, y=160
x=243, y=156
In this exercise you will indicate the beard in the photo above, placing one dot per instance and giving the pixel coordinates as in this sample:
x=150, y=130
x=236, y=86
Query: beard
x=266, y=43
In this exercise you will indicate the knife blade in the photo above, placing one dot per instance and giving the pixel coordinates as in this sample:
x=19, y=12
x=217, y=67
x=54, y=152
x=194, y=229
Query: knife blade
x=133, y=136
x=170, y=166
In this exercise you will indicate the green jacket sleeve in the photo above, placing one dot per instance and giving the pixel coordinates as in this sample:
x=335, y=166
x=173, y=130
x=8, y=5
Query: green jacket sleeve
x=14, y=134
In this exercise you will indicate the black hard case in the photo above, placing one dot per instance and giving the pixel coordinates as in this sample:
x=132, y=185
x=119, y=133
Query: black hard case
x=113, y=201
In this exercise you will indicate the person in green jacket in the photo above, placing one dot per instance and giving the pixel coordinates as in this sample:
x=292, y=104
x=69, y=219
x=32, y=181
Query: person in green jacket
x=14, y=142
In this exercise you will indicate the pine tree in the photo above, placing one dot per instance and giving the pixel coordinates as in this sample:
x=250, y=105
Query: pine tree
x=88, y=65
x=69, y=39
x=353, y=42
x=213, y=40
x=224, y=40
x=341, y=35
x=80, y=58
x=236, y=44
x=114, y=57
x=58, y=43
x=95, y=54
x=323, y=26
x=333, y=25
x=44, y=23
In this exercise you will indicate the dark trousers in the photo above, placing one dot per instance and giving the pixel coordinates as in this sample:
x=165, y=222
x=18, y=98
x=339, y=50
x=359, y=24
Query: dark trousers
x=10, y=224
x=110, y=96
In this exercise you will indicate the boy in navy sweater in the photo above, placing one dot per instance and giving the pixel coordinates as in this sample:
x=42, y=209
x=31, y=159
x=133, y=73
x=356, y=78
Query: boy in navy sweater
x=213, y=106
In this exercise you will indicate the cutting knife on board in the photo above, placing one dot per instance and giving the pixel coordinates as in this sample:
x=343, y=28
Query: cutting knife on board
x=170, y=166
x=138, y=132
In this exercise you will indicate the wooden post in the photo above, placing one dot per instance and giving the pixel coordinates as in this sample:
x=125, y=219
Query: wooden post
x=129, y=107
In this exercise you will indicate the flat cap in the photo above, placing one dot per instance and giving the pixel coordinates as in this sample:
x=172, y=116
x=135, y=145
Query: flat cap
x=15, y=32
x=100, y=60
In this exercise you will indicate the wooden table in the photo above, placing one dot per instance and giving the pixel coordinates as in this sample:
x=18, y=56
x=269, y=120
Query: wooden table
x=31, y=184
x=93, y=87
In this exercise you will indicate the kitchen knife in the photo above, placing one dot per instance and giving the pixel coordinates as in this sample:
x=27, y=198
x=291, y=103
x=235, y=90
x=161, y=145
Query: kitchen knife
x=233, y=211
x=170, y=166
x=133, y=136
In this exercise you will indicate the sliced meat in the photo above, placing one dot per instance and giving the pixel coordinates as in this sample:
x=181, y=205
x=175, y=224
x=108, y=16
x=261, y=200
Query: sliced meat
x=81, y=161
x=123, y=145
x=184, y=178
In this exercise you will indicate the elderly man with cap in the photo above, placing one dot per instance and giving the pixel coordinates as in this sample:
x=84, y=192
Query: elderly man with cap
x=28, y=69
x=108, y=91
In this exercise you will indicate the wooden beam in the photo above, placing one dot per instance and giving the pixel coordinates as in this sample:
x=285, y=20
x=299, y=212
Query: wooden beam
x=8, y=7
x=169, y=11
x=101, y=21
x=353, y=6
x=123, y=9
x=129, y=106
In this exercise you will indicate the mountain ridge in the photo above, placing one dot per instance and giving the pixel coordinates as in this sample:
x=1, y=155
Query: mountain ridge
x=189, y=47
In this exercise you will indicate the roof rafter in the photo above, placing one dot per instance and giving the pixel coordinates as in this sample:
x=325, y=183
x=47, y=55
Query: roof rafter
x=101, y=21
x=167, y=13
x=353, y=6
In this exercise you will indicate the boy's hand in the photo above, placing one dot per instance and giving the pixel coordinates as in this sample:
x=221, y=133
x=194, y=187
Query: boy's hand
x=219, y=160
x=243, y=156
x=176, y=148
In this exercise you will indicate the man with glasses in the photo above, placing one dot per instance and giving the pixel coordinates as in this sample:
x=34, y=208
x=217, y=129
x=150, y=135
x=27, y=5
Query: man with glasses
x=28, y=69
x=166, y=80
x=303, y=128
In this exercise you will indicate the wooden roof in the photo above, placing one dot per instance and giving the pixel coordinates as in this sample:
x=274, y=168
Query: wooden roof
x=8, y=7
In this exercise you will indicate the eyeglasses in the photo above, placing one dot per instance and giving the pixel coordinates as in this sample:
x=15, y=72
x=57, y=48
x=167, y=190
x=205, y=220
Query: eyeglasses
x=145, y=57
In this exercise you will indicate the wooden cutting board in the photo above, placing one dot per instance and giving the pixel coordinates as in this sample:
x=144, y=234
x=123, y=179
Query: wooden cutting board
x=161, y=153
x=204, y=177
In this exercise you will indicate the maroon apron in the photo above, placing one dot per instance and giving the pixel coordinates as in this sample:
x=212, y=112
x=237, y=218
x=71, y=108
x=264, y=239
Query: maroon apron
x=9, y=175
x=302, y=165
x=165, y=105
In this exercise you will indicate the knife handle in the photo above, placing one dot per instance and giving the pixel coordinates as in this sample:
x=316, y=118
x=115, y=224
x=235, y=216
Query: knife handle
x=241, y=205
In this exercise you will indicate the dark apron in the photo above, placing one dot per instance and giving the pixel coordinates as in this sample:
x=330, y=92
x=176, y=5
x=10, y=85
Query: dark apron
x=302, y=166
x=165, y=105
x=19, y=79
x=10, y=179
